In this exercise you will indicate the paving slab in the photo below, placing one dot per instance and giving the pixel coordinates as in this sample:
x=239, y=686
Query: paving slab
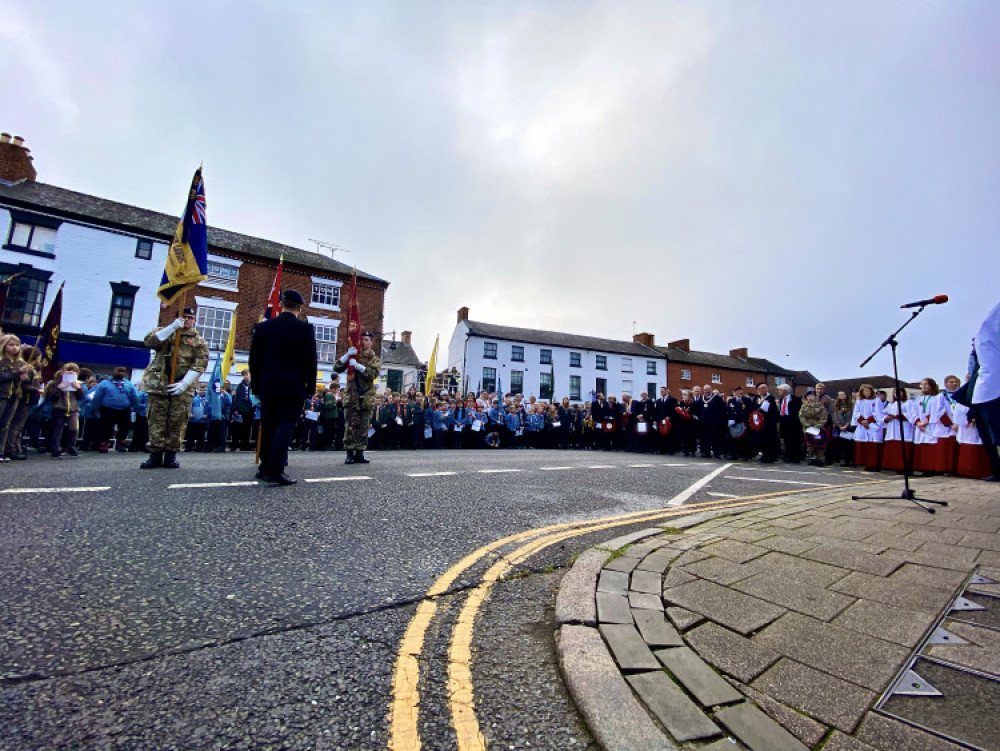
x=783, y=544
x=981, y=540
x=961, y=563
x=644, y=601
x=810, y=572
x=901, y=594
x=742, y=658
x=657, y=562
x=755, y=729
x=803, y=727
x=735, y=610
x=575, y=601
x=733, y=550
x=630, y=651
x=630, y=539
x=649, y=582
x=897, y=539
x=795, y=595
x=828, y=699
x=747, y=534
x=682, y=718
x=937, y=534
x=613, y=608
x=675, y=577
x=929, y=576
x=655, y=629
x=851, y=558
x=719, y=570
x=613, y=714
x=884, y=621
x=613, y=582
x=889, y=734
x=852, y=656
x=691, y=556
x=623, y=564
x=707, y=686
x=841, y=742
x=683, y=618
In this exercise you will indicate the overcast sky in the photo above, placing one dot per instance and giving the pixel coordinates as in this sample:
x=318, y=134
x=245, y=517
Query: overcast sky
x=774, y=175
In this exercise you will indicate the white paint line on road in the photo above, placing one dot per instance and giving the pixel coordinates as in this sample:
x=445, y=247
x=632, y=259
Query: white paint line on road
x=638, y=466
x=337, y=479
x=679, y=465
x=603, y=466
x=555, y=469
x=784, y=482
x=55, y=490
x=785, y=471
x=497, y=471
x=723, y=495
x=432, y=474
x=240, y=484
x=681, y=497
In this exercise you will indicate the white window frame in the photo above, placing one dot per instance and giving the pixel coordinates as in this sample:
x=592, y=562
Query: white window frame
x=627, y=387
x=717, y=378
x=325, y=282
x=326, y=323
x=626, y=365
x=216, y=305
x=651, y=367
x=30, y=241
x=780, y=381
x=217, y=282
x=685, y=374
x=750, y=382
x=575, y=387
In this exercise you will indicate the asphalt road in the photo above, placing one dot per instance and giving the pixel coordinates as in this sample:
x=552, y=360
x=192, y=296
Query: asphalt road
x=167, y=609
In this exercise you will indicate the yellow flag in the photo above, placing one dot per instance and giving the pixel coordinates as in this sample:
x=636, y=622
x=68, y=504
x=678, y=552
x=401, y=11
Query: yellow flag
x=431, y=368
x=229, y=355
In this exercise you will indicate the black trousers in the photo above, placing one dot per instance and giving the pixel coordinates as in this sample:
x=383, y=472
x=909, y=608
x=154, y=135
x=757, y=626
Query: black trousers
x=112, y=419
x=277, y=424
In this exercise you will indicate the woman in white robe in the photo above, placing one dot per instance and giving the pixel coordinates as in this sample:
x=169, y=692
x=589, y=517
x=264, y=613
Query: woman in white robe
x=868, y=431
x=935, y=443
x=898, y=444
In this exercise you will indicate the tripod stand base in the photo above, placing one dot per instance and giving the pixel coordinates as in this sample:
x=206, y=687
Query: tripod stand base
x=906, y=495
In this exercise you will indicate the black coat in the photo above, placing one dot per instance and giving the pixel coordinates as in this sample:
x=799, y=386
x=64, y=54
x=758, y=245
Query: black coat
x=713, y=411
x=283, y=358
x=665, y=407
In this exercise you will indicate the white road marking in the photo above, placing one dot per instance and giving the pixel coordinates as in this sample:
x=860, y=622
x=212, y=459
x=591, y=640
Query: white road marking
x=603, y=466
x=678, y=465
x=337, y=479
x=497, y=471
x=784, y=482
x=681, y=497
x=55, y=490
x=432, y=474
x=554, y=469
x=240, y=484
x=784, y=471
x=637, y=466
x=723, y=495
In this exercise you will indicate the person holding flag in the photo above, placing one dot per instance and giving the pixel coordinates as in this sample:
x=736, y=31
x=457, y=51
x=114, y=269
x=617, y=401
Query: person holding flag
x=180, y=353
x=363, y=367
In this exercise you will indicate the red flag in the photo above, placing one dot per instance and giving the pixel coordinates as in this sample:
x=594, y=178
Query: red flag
x=273, y=307
x=353, y=318
x=48, y=339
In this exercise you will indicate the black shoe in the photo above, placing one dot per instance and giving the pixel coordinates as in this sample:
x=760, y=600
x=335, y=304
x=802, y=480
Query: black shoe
x=72, y=453
x=359, y=458
x=170, y=460
x=155, y=460
x=263, y=476
x=281, y=479
x=350, y=458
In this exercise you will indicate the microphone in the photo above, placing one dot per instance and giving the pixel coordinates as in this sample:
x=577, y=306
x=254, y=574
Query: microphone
x=936, y=300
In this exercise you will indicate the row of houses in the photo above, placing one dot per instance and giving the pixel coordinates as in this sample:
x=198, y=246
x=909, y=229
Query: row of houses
x=111, y=256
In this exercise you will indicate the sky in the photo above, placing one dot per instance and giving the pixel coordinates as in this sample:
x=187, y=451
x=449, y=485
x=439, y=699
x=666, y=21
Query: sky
x=775, y=175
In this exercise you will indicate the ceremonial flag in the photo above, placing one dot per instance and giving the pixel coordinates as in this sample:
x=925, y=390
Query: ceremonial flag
x=48, y=339
x=431, y=368
x=5, y=288
x=230, y=353
x=273, y=307
x=215, y=390
x=353, y=318
x=187, y=259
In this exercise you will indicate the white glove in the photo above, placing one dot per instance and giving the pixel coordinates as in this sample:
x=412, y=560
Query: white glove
x=348, y=355
x=176, y=389
x=357, y=366
x=168, y=331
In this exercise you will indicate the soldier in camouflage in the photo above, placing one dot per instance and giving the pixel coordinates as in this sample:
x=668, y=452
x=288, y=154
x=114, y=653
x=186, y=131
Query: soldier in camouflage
x=359, y=396
x=170, y=401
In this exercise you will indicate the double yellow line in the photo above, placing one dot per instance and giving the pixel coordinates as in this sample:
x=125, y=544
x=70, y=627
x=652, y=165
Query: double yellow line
x=405, y=707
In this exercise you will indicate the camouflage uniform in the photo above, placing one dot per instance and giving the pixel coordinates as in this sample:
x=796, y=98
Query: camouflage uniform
x=168, y=416
x=359, y=399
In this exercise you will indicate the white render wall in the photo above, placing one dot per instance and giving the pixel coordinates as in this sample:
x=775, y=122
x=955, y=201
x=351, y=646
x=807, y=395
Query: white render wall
x=88, y=259
x=474, y=362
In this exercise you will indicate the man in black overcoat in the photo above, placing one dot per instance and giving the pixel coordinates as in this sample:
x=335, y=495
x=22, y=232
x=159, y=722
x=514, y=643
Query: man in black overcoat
x=283, y=372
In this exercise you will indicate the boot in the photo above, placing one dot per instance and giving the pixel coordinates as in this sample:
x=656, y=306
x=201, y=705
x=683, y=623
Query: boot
x=170, y=460
x=359, y=458
x=350, y=458
x=155, y=460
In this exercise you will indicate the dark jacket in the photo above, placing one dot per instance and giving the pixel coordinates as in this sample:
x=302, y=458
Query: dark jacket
x=665, y=407
x=283, y=359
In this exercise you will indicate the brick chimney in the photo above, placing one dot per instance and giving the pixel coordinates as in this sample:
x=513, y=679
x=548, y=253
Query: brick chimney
x=405, y=337
x=15, y=160
x=463, y=314
x=684, y=345
x=644, y=338
x=741, y=354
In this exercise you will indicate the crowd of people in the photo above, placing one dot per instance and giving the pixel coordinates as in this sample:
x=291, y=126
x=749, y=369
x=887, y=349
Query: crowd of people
x=938, y=431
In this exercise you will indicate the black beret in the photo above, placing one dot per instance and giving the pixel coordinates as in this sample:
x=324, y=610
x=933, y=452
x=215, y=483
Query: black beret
x=189, y=311
x=292, y=296
x=369, y=334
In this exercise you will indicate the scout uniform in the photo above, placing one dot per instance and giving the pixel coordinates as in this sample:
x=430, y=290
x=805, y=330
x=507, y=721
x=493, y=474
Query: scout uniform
x=168, y=415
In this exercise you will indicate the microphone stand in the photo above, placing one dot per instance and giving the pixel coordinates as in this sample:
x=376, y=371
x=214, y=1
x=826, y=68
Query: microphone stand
x=908, y=494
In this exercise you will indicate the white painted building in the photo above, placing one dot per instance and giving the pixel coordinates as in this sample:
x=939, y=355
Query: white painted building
x=550, y=364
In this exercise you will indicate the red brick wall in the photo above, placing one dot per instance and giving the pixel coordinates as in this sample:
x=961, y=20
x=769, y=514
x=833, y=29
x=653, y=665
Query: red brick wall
x=255, y=280
x=701, y=374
